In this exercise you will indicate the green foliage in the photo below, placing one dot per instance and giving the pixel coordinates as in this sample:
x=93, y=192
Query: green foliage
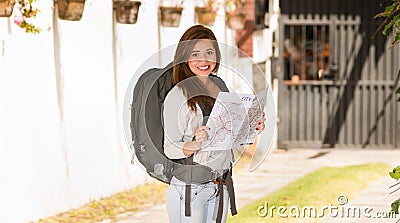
x=395, y=206
x=395, y=174
x=25, y=15
x=391, y=23
x=392, y=20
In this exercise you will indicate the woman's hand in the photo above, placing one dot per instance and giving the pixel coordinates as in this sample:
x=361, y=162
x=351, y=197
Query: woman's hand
x=200, y=135
x=260, y=124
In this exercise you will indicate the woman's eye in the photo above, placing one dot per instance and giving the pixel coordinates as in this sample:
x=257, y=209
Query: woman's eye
x=195, y=55
x=210, y=53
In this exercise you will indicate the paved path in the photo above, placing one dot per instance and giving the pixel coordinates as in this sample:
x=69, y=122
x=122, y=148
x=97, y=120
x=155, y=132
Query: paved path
x=371, y=205
x=282, y=167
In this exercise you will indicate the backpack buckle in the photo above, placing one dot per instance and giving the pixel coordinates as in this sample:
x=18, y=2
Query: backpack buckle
x=214, y=175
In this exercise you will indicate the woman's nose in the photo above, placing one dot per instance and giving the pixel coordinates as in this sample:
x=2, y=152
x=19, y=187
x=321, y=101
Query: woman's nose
x=208, y=57
x=203, y=56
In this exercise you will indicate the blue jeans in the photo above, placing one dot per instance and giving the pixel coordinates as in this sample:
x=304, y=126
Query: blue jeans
x=203, y=202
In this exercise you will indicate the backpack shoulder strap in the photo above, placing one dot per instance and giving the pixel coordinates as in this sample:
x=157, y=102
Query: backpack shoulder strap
x=164, y=82
x=219, y=82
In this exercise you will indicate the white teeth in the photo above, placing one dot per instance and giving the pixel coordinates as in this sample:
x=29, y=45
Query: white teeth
x=203, y=68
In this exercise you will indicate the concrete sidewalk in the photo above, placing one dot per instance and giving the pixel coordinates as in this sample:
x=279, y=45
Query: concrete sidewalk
x=282, y=167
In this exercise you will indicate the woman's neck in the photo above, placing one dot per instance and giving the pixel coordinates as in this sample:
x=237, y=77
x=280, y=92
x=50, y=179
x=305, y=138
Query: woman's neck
x=211, y=87
x=205, y=80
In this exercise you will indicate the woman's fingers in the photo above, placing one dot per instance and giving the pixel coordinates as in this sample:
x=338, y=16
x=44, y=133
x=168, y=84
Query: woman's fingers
x=204, y=128
x=260, y=127
x=201, y=133
x=260, y=124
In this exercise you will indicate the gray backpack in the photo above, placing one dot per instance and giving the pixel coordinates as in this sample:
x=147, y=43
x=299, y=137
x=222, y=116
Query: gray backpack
x=148, y=134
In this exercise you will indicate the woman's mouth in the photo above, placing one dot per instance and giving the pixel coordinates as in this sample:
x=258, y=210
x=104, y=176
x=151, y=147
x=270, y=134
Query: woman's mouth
x=203, y=68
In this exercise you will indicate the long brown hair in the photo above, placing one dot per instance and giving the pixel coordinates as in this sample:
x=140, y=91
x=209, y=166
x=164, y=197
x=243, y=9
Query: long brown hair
x=193, y=88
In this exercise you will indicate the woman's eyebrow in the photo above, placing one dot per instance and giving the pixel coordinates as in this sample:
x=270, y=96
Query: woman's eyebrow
x=193, y=51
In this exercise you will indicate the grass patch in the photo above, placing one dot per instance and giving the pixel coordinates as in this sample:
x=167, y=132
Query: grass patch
x=110, y=207
x=319, y=188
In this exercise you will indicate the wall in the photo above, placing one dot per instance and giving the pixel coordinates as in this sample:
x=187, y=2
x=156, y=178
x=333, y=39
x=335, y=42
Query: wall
x=60, y=142
x=62, y=96
x=244, y=38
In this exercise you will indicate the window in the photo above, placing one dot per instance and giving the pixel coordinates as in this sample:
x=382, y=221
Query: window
x=261, y=7
x=306, y=52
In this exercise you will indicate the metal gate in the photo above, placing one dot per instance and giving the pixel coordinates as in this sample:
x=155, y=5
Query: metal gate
x=337, y=85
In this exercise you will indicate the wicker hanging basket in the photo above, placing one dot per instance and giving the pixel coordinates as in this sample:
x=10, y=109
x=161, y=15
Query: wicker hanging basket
x=70, y=9
x=236, y=21
x=6, y=8
x=170, y=16
x=205, y=16
x=127, y=11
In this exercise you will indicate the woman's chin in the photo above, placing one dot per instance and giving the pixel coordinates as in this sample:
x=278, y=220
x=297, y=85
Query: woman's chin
x=203, y=74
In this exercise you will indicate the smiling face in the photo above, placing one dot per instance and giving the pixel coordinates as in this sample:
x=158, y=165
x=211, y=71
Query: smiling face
x=202, y=59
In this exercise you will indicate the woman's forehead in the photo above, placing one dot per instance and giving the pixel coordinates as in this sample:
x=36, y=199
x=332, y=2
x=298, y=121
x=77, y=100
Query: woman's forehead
x=204, y=45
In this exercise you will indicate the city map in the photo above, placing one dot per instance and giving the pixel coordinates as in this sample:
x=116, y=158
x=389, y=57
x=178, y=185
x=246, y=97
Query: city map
x=233, y=120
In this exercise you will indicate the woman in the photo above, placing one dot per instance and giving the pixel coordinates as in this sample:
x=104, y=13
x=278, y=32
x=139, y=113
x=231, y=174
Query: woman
x=196, y=60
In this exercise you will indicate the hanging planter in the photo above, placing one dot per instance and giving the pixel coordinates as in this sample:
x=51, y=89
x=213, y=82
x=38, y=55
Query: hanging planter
x=25, y=15
x=170, y=16
x=127, y=11
x=205, y=16
x=70, y=9
x=235, y=14
x=236, y=21
x=6, y=8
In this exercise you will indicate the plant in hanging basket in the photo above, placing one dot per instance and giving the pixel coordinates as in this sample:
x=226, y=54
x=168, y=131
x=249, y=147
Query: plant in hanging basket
x=171, y=13
x=25, y=14
x=127, y=11
x=235, y=13
x=6, y=8
x=236, y=21
x=207, y=13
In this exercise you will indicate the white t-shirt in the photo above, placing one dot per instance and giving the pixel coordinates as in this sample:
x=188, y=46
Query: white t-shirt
x=180, y=124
